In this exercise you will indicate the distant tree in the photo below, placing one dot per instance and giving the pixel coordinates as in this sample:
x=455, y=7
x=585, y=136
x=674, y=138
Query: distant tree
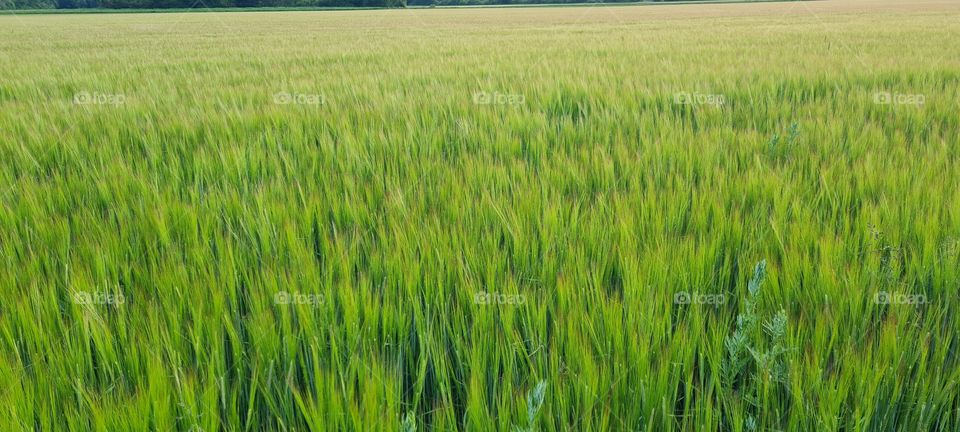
x=69, y=4
x=33, y=4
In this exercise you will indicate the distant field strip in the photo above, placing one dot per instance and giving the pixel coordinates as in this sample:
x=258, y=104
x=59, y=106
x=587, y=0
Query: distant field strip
x=725, y=217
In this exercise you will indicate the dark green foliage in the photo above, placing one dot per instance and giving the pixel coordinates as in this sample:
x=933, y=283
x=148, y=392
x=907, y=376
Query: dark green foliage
x=28, y=4
x=192, y=4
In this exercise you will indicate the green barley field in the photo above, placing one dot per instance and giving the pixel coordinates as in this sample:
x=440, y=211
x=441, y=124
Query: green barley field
x=715, y=217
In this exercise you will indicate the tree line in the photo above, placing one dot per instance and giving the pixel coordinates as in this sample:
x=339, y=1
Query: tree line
x=190, y=4
x=203, y=4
